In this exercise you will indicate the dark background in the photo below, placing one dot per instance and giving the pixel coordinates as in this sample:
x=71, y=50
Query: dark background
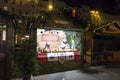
x=108, y=6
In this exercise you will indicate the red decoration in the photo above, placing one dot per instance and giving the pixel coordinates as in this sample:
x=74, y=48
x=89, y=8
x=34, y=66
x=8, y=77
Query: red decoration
x=73, y=13
x=61, y=57
x=77, y=56
x=42, y=58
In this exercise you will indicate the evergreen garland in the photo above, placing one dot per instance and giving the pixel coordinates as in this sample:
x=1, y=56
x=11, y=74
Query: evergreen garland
x=26, y=62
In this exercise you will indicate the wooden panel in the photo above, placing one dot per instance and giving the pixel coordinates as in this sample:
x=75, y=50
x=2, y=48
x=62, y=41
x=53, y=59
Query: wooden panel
x=116, y=56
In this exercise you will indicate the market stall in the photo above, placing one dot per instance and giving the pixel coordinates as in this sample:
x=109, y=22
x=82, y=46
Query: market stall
x=57, y=45
x=104, y=44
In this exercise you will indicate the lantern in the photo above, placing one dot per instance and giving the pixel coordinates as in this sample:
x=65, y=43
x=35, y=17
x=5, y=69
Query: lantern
x=73, y=13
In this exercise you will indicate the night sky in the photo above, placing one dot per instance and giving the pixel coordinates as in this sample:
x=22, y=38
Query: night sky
x=102, y=5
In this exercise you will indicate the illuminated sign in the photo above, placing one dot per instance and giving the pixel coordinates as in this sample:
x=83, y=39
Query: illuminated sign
x=58, y=40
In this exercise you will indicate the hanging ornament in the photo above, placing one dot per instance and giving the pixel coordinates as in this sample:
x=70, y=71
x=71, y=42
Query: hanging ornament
x=73, y=13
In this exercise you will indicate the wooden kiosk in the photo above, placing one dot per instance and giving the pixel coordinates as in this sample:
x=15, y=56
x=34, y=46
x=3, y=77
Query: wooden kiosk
x=103, y=44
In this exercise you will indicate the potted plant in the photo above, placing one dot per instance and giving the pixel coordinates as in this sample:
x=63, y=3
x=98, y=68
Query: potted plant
x=26, y=62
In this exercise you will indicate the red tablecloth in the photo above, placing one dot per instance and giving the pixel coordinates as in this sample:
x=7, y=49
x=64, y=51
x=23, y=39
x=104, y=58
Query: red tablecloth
x=59, y=56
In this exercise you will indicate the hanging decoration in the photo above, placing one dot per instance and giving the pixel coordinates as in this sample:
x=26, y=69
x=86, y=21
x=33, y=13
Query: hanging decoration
x=73, y=13
x=42, y=58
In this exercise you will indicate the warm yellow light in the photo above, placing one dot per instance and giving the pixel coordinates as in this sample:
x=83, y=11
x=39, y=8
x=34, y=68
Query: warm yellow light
x=94, y=12
x=4, y=35
x=50, y=7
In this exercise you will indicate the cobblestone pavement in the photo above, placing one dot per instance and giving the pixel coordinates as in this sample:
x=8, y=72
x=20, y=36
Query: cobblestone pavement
x=93, y=73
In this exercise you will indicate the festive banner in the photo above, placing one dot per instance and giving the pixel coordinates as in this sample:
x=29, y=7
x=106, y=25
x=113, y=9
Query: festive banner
x=60, y=56
x=52, y=56
x=69, y=55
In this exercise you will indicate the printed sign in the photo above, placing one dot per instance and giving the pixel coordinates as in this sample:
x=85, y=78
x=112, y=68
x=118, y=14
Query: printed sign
x=52, y=56
x=69, y=55
x=58, y=40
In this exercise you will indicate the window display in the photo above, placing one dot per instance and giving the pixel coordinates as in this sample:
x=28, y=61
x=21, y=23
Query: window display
x=58, y=45
x=58, y=40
